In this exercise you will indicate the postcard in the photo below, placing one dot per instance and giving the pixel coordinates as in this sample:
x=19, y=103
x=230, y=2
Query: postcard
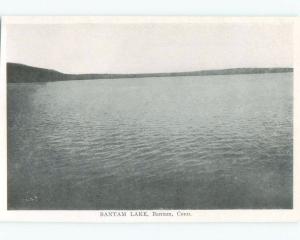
x=149, y=119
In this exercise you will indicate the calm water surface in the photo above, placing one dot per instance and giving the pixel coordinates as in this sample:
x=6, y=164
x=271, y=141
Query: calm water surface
x=216, y=142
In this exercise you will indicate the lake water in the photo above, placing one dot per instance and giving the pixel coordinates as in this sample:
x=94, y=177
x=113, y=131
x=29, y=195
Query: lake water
x=213, y=142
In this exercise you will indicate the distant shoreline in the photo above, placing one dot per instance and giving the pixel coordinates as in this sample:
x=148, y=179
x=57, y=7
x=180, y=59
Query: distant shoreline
x=20, y=73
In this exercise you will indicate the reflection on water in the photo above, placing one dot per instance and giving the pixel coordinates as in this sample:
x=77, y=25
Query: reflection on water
x=217, y=142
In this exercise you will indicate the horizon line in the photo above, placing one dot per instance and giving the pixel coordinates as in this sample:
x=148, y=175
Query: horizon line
x=153, y=73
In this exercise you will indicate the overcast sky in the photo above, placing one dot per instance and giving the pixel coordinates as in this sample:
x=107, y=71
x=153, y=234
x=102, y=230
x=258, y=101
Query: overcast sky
x=144, y=47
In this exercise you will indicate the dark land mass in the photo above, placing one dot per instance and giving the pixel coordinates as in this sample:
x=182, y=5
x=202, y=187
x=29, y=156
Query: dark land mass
x=19, y=73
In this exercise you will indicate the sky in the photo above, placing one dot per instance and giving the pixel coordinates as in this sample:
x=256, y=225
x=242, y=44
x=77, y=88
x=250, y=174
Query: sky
x=150, y=47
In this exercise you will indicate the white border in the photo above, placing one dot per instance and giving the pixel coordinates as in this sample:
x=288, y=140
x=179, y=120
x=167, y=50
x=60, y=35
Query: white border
x=139, y=19
x=3, y=122
x=197, y=215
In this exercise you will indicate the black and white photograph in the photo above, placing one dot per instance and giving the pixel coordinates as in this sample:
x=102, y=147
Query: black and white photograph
x=150, y=115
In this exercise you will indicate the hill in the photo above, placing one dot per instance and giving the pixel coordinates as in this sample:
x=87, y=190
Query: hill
x=19, y=73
